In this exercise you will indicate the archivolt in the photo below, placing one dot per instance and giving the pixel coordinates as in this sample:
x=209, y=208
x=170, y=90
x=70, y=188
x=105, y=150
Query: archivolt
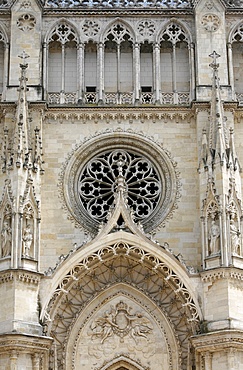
x=131, y=265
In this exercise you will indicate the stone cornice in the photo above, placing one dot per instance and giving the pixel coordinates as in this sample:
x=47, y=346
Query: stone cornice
x=23, y=342
x=229, y=273
x=218, y=341
x=24, y=276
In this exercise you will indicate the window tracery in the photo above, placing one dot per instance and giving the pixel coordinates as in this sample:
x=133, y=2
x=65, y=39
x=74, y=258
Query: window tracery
x=174, y=33
x=63, y=33
x=151, y=178
x=62, y=60
x=97, y=184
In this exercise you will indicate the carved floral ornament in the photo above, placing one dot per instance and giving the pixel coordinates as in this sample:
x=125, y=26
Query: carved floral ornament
x=26, y=22
x=210, y=22
x=88, y=182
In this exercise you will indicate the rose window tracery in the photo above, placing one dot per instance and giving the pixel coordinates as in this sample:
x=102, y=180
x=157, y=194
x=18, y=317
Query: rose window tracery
x=91, y=179
x=98, y=181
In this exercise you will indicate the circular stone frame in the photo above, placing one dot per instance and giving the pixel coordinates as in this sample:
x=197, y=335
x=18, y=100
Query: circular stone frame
x=128, y=141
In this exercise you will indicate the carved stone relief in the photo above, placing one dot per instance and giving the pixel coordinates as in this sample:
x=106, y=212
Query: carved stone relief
x=90, y=28
x=210, y=22
x=120, y=321
x=83, y=285
x=122, y=327
x=146, y=28
x=26, y=22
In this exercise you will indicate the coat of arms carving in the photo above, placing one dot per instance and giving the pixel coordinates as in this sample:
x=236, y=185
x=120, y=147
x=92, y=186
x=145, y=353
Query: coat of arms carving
x=121, y=322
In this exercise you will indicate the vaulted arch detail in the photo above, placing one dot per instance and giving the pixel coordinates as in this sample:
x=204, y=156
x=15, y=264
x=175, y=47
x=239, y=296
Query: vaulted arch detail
x=121, y=259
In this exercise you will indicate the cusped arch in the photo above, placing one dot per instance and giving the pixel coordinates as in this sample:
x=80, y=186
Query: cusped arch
x=237, y=27
x=61, y=21
x=116, y=22
x=176, y=22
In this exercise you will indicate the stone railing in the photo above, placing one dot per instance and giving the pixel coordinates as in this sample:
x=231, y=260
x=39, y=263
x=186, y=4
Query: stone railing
x=62, y=98
x=113, y=98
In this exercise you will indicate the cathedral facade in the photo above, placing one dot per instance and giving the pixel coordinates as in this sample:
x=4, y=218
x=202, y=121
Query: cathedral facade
x=121, y=215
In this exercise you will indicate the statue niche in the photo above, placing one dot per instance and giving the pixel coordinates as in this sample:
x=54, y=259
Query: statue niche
x=6, y=237
x=235, y=238
x=27, y=233
x=213, y=237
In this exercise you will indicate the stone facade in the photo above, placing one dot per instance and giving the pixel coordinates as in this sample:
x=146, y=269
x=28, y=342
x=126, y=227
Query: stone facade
x=121, y=203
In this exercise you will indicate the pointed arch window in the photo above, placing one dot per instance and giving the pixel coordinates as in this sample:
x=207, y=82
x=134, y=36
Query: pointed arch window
x=3, y=61
x=175, y=65
x=118, y=65
x=62, y=65
x=235, y=52
x=146, y=72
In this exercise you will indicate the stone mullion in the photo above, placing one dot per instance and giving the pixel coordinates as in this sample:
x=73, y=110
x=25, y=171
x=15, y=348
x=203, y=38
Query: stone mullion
x=5, y=69
x=80, y=72
x=63, y=69
x=100, y=73
x=174, y=82
x=231, y=71
x=136, y=71
x=204, y=242
x=192, y=71
x=156, y=54
x=45, y=68
x=118, y=56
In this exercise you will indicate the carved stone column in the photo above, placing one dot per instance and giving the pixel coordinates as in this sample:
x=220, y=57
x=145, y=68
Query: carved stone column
x=136, y=69
x=80, y=72
x=101, y=49
x=157, y=78
x=5, y=69
x=230, y=66
x=45, y=69
x=174, y=82
x=192, y=69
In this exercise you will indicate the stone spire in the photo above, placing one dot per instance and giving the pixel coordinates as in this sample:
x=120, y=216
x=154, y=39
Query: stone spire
x=20, y=204
x=221, y=204
x=17, y=149
x=218, y=143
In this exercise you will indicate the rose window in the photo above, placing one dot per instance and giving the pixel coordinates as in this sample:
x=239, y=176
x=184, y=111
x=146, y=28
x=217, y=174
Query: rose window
x=98, y=181
x=126, y=162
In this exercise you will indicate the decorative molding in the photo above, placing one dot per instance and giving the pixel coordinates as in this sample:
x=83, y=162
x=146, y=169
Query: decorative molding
x=117, y=114
x=158, y=281
x=222, y=273
x=20, y=275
